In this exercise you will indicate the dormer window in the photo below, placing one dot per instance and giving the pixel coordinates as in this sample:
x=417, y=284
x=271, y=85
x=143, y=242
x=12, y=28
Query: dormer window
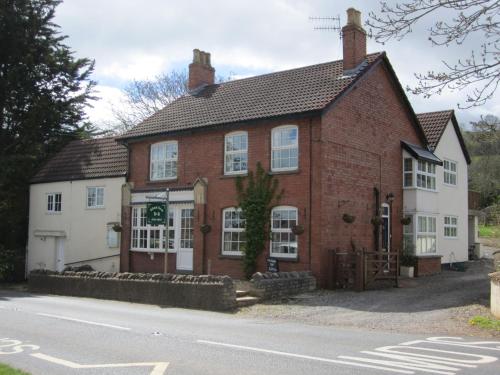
x=163, y=165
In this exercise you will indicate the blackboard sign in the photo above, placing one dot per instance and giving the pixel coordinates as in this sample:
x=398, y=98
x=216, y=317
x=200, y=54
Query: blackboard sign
x=272, y=265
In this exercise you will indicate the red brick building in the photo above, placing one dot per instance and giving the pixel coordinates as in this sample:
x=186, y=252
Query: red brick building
x=331, y=134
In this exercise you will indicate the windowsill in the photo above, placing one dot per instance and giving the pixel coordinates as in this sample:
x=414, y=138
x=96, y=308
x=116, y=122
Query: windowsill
x=155, y=182
x=294, y=259
x=95, y=208
x=449, y=185
x=421, y=189
x=53, y=213
x=291, y=171
x=227, y=256
x=450, y=238
x=155, y=251
x=233, y=175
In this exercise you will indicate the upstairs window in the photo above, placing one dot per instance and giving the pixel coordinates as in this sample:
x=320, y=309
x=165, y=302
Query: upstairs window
x=450, y=226
x=283, y=240
x=164, y=161
x=285, y=148
x=450, y=172
x=54, y=202
x=426, y=175
x=233, y=232
x=236, y=153
x=95, y=197
x=408, y=172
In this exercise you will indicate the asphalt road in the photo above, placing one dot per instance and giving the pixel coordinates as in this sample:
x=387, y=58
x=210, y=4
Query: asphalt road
x=63, y=335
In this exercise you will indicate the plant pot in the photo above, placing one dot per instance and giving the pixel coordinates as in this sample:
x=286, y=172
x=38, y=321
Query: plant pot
x=297, y=229
x=405, y=271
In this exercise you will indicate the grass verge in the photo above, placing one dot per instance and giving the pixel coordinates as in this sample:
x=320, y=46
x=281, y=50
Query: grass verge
x=485, y=323
x=490, y=231
x=7, y=370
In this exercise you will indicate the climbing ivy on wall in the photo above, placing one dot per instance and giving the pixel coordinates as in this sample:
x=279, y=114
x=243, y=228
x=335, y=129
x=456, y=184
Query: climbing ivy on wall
x=256, y=195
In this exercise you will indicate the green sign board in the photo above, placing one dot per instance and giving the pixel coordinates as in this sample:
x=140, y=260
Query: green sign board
x=156, y=213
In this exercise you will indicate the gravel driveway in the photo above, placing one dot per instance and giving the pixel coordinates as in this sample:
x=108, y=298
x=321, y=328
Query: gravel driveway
x=440, y=304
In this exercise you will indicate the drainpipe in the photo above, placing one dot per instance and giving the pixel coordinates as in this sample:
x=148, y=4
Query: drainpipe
x=310, y=192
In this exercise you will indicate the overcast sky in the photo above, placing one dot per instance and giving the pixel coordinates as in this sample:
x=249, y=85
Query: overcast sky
x=131, y=39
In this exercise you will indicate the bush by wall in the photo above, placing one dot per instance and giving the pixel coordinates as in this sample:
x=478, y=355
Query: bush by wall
x=275, y=285
x=204, y=292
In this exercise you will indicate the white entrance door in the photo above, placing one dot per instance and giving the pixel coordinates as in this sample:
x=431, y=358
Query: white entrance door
x=59, y=254
x=185, y=230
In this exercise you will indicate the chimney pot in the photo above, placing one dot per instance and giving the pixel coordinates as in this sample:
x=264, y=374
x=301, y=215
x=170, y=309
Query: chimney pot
x=353, y=40
x=200, y=71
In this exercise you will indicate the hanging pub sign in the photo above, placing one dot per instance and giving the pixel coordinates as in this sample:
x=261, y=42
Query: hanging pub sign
x=156, y=213
x=272, y=265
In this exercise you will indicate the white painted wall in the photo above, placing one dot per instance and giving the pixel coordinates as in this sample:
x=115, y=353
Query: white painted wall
x=453, y=200
x=82, y=229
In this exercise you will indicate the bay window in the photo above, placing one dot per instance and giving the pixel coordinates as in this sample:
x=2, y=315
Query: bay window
x=426, y=234
x=151, y=238
x=426, y=175
x=408, y=172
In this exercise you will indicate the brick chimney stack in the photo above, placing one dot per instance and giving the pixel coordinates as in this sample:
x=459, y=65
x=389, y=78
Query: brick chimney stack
x=354, y=40
x=200, y=70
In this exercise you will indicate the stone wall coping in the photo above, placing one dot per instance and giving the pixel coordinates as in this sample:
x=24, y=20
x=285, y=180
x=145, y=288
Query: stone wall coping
x=150, y=277
x=495, y=276
x=281, y=275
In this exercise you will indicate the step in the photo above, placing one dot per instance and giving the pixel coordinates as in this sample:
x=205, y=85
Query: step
x=241, y=293
x=246, y=301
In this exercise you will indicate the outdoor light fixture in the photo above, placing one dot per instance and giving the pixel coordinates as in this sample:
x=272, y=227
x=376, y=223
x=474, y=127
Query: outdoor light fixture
x=390, y=197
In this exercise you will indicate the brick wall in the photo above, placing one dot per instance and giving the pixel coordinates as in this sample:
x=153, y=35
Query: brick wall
x=428, y=265
x=361, y=149
x=199, y=292
x=281, y=284
x=201, y=154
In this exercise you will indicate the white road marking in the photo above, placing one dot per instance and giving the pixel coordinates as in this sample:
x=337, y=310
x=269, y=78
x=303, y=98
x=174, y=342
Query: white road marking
x=320, y=359
x=84, y=321
x=158, y=369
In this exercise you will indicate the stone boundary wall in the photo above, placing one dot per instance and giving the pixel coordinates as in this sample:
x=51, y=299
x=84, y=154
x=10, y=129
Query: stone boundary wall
x=495, y=294
x=215, y=293
x=277, y=285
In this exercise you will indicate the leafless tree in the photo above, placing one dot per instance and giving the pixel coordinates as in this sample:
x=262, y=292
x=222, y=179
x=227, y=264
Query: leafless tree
x=143, y=98
x=479, y=71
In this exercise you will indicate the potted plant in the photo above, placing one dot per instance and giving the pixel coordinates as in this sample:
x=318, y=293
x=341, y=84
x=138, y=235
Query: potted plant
x=117, y=227
x=407, y=261
x=406, y=220
x=349, y=219
x=205, y=228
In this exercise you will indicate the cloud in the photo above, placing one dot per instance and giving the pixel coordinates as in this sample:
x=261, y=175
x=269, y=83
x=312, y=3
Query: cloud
x=137, y=40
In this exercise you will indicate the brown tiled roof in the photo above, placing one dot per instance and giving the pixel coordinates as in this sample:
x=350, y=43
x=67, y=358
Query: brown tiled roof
x=85, y=159
x=276, y=94
x=434, y=124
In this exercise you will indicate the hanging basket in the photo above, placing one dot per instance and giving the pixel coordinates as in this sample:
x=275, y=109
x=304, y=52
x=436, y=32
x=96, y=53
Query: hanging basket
x=376, y=221
x=297, y=229
x=117, y=228
x=406, y=220
x=205, y=228
x=349, y=219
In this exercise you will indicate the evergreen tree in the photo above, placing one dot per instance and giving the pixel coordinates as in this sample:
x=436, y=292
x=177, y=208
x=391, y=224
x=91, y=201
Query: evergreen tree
x=43, y=93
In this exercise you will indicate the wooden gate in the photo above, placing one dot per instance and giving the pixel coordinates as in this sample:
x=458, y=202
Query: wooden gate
x=358, y=269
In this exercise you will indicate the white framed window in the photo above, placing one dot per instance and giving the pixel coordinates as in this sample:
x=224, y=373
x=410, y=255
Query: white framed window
x=54, y=202
x=95, y=197
x=426, y=234
x=408, y=238
x=450, y=226
x=450, y=172
x=151, y=238
x=283, y=240
x=407, y=172
x=285, y=148
x=233, y=231
x=163, y=163
x=236, y=153
x=426, y=175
